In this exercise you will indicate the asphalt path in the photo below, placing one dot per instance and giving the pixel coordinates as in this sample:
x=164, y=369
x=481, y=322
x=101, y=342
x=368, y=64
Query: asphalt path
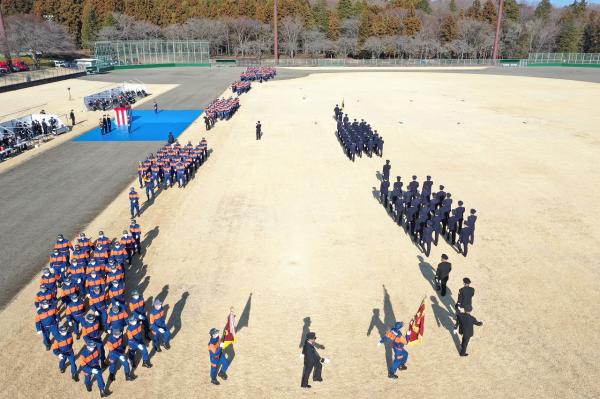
x=65, y=188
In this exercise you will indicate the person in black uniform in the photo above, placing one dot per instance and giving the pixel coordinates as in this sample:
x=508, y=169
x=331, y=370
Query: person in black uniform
x=464, y=324
x=465, y=296
x=386, y=170
x=442, y=274
x=258, y=130
x=312, y=360
x=471, y=222
x=337, y=111
x=72, y=116
x=426, y=190
x=384, y=190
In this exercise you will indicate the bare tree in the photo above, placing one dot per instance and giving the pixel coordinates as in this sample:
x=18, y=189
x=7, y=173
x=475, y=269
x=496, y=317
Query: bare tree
x=244, y=30
x=313, y=42
x=375, y=46
x=36, y=36
x=347, y=45
x=478, y=36
x=128, y=28
x=291, y=29
x=542, y=35
x=350, y=28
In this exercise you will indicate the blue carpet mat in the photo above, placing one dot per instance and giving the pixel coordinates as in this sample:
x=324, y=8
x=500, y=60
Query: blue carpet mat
x=147, y=126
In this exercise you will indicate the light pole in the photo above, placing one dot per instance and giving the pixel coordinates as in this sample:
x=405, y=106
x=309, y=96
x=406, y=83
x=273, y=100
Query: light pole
x=276, y=39
x=498, y=25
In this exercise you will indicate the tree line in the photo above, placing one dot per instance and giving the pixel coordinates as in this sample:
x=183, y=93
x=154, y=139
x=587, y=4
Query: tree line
x=318, y=28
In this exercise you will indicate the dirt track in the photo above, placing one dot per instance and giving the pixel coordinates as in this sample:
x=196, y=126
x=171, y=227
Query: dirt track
x=292, y=221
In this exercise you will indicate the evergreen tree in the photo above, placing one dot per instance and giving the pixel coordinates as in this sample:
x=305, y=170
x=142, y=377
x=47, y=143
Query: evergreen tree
x=452, y=6
x=108, y=20
x=569, y=36
x=488, y=13
x=320, y=15
x=345, y=9
x=511, y=10
x=475, y=10
x=90, y=25
x=424, y=6
x=333, y=26
x=591, y=34
x=543, y=10
x=448, y=29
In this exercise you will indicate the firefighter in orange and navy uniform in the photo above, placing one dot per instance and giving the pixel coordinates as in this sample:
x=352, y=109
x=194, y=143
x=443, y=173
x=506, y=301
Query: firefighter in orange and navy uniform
x=136, y=233
x=63, y=348
x=217, y=359
x=136, y=342
x=44, y=294
x=397, y=340
x=116, y=356
x=75, y=313
x=90, y=364
x=46, y=320
x=137, y=308
x=129, y=243
x=134, y=203
x=159, y=326
x=63, y=246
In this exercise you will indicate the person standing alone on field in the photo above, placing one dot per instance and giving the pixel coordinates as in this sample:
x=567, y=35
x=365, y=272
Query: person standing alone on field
x=258, y=130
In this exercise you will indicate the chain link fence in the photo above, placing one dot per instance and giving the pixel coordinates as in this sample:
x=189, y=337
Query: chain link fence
x=564, y=58
x=391, y=62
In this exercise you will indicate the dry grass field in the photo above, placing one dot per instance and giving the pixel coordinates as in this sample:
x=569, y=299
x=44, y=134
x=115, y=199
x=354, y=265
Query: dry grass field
x=287, y=228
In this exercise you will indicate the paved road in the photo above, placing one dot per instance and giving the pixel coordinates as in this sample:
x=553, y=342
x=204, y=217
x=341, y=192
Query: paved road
x=65, y=188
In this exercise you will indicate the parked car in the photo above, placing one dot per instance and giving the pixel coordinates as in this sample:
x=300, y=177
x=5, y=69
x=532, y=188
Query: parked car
x=4, y=67
x=19, y=65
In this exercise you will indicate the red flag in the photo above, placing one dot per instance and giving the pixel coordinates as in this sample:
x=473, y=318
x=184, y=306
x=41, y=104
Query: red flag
x=417, y=324
x=229, y=331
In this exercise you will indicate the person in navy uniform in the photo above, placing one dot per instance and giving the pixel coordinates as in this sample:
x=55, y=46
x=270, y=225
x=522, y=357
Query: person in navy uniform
x=386, y=170
x=463, y=239
x=258, y=130
x=442, y=274
x=471, y=221
x=465, y=296
x=384, y=190
x=464, y=326
x=427, y=237
x=426, y=190
x=460, y=212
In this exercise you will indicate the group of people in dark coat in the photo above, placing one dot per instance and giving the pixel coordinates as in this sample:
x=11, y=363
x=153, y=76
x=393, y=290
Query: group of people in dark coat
x=425, y=214
x=464, y=304
x=356, y=137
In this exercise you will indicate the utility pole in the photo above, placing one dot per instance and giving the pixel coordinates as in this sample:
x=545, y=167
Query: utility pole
x=4, y=42
x=498, y=26
x=276, y=39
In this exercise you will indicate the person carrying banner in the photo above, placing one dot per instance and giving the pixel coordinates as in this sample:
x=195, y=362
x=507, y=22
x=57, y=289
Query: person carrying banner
x=395, y=337
x=218, y=362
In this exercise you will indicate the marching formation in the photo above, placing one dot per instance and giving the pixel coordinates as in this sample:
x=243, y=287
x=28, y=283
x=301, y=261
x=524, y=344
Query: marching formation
x=241, y=87
x=82, y=293
x=425, y=215
x=258, y=74
x=171, y=164
x=356, y=137
x=220, y=109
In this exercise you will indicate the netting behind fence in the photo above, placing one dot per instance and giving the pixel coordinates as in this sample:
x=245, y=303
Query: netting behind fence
x=140, y=52
x=563, y=58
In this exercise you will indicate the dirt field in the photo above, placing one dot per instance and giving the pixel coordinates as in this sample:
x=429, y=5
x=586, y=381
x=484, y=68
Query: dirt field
x=288, y=228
